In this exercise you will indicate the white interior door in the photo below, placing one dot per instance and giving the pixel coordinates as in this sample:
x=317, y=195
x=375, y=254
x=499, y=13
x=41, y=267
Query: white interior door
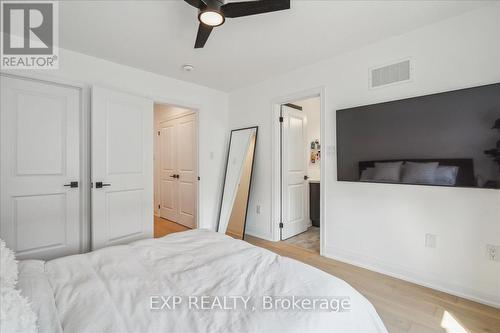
x=187, y=170
x=294, y=170
x=122, y=167
x=168, y=170
x=40, y=154
x=179, y=170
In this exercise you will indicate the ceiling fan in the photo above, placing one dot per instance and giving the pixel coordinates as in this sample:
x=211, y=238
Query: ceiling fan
x=213, y=13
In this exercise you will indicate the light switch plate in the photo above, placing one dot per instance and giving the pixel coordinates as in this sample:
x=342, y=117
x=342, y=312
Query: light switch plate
x=330, y=150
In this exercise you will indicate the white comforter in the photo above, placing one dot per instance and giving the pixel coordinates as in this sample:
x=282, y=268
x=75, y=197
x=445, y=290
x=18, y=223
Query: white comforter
x=110, y=290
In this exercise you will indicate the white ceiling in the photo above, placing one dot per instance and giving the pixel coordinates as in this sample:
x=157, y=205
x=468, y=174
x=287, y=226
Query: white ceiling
x=158, y=36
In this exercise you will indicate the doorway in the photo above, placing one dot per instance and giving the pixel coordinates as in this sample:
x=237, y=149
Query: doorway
x=300, y=172
x=175, y=169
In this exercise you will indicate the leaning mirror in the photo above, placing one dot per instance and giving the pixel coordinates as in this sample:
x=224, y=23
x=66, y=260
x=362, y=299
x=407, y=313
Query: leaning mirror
x=237, y=182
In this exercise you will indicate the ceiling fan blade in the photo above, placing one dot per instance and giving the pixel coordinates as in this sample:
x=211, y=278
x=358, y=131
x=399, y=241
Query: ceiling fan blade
x=203, y=33
x=239, y=9
x=196, y=3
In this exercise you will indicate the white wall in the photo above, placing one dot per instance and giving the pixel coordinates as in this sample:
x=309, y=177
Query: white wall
x=211, y=104
x=382, y=226
x=312, y=108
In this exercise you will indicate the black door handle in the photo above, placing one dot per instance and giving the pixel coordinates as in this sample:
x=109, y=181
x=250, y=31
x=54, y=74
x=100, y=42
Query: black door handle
x=177, y=176
x=101, y=185
x=306, y=177
x=72, y=184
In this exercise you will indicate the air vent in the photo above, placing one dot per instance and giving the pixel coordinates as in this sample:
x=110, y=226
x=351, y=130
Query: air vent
x=394, y=73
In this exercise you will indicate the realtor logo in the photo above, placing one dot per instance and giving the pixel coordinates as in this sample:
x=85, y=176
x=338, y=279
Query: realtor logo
x=29, y=35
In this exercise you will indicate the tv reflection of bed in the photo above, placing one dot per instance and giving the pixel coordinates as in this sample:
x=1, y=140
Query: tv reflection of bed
x=465, y=176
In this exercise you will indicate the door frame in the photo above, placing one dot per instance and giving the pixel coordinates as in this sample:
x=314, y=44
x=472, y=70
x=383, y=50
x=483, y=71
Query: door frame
x=84, y=129
x=192, y=110
x=275, y=160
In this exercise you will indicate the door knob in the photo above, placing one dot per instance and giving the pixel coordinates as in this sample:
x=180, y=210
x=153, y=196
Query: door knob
x=177, y=176
x=306, y=177
x=72, y=184
x=101, y=185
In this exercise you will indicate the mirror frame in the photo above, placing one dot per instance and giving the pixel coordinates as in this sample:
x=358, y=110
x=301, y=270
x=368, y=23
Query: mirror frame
x=251, y=177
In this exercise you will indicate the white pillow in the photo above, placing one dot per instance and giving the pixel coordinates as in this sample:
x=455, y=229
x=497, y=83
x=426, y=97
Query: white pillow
x=387, y=172
x=16, y=315
x=446, y=175
x=419, y=173
x=367, y=174
x=8, y=267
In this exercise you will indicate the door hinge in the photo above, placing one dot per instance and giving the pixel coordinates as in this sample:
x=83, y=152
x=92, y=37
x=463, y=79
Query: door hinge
x=159, y=207
x=198, y=178
x=158, y=132
x=281, y=225
x=281, y=119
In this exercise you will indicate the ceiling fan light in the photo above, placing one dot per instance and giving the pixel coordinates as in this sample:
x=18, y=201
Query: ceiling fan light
x=211, y=18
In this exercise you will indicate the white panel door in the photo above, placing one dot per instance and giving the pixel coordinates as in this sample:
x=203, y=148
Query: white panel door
x=187, y=170
x=294, y=170
x=179, y=170
x=40, y=154
x=122, y=167
x=168, y=170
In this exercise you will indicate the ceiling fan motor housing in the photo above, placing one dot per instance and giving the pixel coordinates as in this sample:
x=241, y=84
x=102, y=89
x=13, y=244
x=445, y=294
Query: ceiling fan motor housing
x=211, y=14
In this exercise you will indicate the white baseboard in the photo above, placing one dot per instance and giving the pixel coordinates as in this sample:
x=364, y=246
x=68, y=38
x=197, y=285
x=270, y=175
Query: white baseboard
x=258, y=235
x=403, y=273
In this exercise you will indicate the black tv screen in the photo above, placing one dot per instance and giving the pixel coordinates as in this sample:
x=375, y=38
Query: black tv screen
x=445, y=139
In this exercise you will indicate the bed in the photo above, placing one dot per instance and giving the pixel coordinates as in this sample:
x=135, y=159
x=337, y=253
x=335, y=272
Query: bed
x=113, y=289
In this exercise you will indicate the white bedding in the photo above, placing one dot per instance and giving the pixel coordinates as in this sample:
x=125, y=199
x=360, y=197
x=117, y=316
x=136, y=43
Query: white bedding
x=110, y=290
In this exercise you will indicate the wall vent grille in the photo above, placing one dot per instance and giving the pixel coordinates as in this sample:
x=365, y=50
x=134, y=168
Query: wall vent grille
x=390, y=74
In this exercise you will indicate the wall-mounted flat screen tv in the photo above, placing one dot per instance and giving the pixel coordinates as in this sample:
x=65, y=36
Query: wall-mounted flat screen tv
x=445, y=139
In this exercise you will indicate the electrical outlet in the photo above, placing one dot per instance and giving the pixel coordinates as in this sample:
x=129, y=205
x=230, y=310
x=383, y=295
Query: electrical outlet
x=430, y=240
x=493, y=252
x=257, y=209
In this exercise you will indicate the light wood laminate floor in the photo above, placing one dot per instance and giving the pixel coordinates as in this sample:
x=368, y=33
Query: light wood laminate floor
x=403, y=306
x=164, y=227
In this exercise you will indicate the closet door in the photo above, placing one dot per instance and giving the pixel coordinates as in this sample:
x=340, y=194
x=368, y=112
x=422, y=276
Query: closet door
x=40, y=156
x=168, y=170
x=122, y=167
x=179, y=170
x=187, y=170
